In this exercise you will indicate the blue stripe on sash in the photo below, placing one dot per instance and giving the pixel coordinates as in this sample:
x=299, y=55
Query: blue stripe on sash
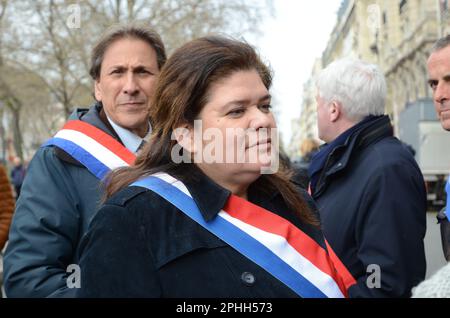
x=96, y=167
x=235, y=237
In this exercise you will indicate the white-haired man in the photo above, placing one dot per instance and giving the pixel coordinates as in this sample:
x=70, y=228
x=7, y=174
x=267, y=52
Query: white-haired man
x=439, y=80
x=368, y=187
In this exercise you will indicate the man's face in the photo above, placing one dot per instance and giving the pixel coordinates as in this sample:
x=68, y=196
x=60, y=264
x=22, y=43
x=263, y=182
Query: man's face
x=17, y=161
x=126, y=83
x=439, y=80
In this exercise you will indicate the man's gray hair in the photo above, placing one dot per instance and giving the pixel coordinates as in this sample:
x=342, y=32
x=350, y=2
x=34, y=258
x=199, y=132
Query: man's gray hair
x=358, y=86
x=440, y=44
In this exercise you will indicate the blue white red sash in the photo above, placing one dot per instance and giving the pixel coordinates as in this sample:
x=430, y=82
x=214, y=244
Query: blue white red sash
x=96, y=150
x=265, y=238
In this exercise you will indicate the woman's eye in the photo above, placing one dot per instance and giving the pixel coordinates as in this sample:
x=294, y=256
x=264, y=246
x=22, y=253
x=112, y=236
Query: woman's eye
x=236, y=112
x=266, y=108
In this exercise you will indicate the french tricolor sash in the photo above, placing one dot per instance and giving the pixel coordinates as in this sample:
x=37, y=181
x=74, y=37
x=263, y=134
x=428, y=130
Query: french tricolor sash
x=96, y=150
x=272, y=242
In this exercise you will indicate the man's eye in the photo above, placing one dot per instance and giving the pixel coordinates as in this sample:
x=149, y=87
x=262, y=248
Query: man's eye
x=433, y=85
x=117, y=71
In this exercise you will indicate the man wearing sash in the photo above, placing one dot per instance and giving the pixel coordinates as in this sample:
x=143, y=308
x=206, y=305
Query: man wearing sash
x=369, y=190
x=62, y=189
x=189, y=219
x=439, y=80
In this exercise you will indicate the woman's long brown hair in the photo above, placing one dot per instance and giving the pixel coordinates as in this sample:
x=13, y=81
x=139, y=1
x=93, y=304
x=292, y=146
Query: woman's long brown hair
x=180, y=95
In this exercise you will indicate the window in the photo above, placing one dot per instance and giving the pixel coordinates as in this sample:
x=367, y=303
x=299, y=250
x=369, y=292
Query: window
x=402, y=6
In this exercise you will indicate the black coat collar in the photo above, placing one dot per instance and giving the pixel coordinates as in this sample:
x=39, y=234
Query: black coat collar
x=211, y=197
x=340, y=157
x=208, y=195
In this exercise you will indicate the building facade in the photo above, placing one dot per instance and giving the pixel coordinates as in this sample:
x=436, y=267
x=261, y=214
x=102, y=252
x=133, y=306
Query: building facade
x=305, y=127
x=395, y=34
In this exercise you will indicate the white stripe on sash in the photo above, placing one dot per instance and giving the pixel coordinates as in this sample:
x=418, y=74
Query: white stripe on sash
x=97, y=150
x=277, y=244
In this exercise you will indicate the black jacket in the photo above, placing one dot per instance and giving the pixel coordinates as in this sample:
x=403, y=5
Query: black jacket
x=58, y=199
x=372, y=203
x=139, y=245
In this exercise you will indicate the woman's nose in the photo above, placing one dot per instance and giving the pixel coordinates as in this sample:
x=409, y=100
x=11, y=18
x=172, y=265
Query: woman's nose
x=260, y=119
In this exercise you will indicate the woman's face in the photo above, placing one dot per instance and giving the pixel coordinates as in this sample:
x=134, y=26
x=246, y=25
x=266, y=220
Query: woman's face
x=237, y=129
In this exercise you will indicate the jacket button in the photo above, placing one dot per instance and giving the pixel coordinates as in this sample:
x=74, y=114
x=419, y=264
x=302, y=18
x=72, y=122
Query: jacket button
x=248, y=278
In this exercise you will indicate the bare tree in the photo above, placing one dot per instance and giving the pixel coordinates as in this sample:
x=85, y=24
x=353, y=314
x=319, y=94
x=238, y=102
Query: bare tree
x=24, y=94
x=8, y=98
x=40, y=42
x=3, y=6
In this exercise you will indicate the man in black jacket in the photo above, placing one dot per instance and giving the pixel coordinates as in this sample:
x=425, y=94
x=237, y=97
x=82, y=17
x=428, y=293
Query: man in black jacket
x=369, y=190
x=439, y=80
x=61, y=193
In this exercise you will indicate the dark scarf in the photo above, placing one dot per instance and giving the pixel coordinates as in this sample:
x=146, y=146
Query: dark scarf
x=320, y=158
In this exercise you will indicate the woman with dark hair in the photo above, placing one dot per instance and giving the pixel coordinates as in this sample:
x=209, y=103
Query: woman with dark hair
x=209, y=216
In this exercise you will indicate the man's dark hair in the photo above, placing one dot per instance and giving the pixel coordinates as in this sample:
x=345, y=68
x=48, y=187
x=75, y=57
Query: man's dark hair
x=118, y=32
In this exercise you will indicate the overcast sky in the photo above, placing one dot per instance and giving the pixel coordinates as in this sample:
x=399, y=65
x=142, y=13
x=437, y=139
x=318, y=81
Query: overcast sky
x=291, y=40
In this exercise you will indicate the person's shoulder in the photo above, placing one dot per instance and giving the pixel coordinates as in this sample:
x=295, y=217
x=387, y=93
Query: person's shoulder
x=120, y=206
x=390, y=161
x=65, y=157
x=44, y=155
x=129, y=196
x=391, y=144
x=54, y=153
x=52, y=156
x=390, y=152
x=58, y=152
x=139, y=202
x=47, y=166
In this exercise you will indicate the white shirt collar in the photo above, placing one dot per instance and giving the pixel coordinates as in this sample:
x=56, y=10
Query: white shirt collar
x=130, y=140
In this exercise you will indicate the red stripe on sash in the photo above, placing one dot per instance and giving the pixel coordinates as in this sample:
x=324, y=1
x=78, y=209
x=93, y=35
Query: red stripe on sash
x=102, y=138
x=267, y=221
x=347, y=278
